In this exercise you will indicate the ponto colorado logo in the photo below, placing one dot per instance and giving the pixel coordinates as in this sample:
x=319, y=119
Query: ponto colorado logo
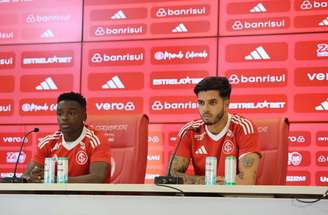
x=298, y=178
x=114, y=105
x=6, y=107
x=259, y=103
x=7, y=60
x=116, y=81
x=47, y=59
x=258, y=78
x=272, y=23
x=299, y=138
x=322, y=138
x=322, y=158
x=299, y=158
x=37, y=107
x=117, y=57
x=180, y=55
x=173, y=105
x=309, y=5
x=311, y=76
x=176, y=80
x=311, y=50
x=180, y=11
x=118, y=30
x=265, y=52
x=311, y=103
x=38, y=18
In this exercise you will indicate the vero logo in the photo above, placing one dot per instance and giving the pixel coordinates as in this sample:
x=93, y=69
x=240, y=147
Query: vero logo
x=311, y=76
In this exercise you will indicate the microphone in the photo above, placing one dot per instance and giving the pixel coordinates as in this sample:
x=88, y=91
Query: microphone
x=14, y=179
x=169, y=179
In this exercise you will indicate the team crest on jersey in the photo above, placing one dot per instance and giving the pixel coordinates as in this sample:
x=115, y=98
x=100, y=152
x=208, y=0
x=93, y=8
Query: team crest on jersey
x=199, y=137
x=81, y=157
x=228, y=147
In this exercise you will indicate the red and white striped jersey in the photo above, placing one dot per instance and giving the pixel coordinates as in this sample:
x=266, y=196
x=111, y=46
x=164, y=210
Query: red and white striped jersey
x=90, y=147
x=237, y=138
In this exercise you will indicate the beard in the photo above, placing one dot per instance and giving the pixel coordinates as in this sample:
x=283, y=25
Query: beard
x=217, y=118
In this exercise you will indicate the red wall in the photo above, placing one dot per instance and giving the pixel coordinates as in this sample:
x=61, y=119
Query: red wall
x=141, y=56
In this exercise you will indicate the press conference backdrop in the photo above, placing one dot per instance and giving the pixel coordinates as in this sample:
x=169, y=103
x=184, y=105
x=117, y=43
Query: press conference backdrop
x=143, y=56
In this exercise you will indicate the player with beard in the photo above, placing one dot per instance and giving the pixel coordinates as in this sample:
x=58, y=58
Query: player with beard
x=218, y=133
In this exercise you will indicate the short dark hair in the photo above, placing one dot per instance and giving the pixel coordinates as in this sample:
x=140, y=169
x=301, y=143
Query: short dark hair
x=72, y=96
x=219, y=83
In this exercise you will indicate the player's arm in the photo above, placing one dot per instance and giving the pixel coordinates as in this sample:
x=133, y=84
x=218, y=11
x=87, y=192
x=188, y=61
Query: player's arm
x=98, y=173
x=247, y=166
x=179, y=167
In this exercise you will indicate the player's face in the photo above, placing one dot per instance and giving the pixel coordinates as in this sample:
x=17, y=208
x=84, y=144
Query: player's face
x=211, y=106
x=70, y=117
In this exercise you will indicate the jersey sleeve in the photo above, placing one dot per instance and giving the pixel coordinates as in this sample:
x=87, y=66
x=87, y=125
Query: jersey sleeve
x=42, y=151
x=183, y=147
x=103, y=151
x=248, y=141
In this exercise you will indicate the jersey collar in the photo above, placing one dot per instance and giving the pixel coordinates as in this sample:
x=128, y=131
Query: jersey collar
x=71, y=145
x=218, y=136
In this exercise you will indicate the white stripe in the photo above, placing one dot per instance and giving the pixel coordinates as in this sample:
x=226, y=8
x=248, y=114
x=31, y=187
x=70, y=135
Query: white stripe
x=245, y=123
x=94, y=137
x=46, y=138
x=238, y=122
x=188, y=125
x=93, y=144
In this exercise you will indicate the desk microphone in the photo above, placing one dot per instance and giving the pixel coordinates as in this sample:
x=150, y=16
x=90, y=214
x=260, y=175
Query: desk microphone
x=169, y=179
x=14, y=179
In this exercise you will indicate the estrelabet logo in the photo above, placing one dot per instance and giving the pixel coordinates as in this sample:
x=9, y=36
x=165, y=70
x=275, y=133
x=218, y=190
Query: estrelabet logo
x=259, y=8
x=323, y=106
x=181, y=28
x=119, y=15
x=114, y=83
x=47, y=84
x=47, y=34
x=258, y=54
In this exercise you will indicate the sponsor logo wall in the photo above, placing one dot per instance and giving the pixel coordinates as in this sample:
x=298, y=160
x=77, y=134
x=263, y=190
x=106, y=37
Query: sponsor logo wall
x=124, y=20
x=141, y=56
x=283, y=75
x=146, y=77
x=32, y=76
x=21, y=21
x=308, y=154
x=238, y=17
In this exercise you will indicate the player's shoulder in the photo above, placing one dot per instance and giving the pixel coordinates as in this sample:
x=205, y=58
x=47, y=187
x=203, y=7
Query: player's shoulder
x=48, y=139
x=193, y=125
x=243, y=123
x=95, y=137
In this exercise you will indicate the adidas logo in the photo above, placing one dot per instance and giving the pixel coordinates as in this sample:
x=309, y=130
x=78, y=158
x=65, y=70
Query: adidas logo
x=119, y=15
x=47, y=84
x=322, y=106
x=201, y=151
x=181, y=28
x=259, y=8
x=258, y=54
x=115, y=83
x=47, y=34
x=324, y=22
